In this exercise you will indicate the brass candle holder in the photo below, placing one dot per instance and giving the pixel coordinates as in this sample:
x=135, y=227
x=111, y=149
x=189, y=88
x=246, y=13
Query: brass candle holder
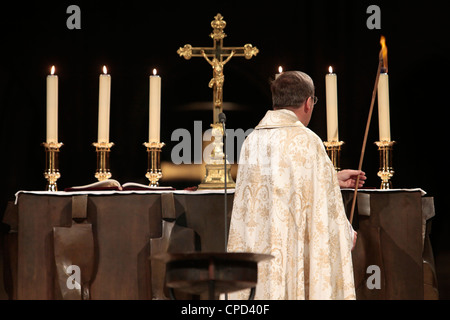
x=154, y=172
x=103, y=150
x=51, y=172
x=386, y=170
x=334, y=152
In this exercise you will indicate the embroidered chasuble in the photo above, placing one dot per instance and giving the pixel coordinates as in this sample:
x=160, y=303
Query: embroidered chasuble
x=288, y=204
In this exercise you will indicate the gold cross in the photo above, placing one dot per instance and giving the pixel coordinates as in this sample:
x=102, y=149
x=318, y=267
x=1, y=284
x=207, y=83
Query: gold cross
x=215, y=57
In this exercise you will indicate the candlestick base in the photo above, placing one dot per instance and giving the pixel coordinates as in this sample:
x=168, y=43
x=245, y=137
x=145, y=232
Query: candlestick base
x=51, y=172
x=103, y=150
x=154, y=172
x=334, y=152
x=386, y=171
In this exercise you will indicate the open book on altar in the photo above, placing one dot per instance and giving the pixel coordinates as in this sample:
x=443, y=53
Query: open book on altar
x=111, y=184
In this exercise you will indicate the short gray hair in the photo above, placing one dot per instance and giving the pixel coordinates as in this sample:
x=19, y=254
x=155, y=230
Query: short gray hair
x=291, y=89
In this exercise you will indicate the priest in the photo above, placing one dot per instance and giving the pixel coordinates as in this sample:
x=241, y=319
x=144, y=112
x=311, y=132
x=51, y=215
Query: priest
x=288, y=203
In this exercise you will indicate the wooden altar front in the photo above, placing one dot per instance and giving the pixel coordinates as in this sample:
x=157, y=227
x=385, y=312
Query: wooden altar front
x=112, y=235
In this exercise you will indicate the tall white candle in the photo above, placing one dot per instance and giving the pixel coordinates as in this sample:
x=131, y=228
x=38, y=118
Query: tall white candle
x=154, y=108
x=332, y=106
x=104, y=97
x=383, y=96
x=52, y=107
x=383, y=108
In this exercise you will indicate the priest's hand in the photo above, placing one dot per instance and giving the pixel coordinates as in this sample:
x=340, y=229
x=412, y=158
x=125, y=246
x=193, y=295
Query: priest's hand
x=347, y=178
x=355, y=236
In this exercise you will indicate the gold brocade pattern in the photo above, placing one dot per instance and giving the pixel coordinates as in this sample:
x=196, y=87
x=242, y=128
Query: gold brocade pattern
x=288, y=203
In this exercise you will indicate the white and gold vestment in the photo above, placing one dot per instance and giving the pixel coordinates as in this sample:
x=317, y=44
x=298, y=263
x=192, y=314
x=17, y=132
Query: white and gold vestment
x=288, y=204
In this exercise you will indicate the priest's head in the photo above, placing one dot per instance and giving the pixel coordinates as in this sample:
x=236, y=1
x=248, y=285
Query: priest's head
x=294, y=90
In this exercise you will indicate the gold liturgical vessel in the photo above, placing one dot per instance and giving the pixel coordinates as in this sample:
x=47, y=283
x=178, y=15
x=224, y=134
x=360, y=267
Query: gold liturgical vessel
x=215, y=172
x=154, y=172
x=103, y=150
x=52, y=164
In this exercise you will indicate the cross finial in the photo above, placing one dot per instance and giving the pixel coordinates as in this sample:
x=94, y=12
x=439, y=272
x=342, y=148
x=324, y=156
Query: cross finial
x=218, y=24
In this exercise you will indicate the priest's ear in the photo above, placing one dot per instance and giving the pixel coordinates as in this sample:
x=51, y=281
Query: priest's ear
x=306, y=111
x=309, y=104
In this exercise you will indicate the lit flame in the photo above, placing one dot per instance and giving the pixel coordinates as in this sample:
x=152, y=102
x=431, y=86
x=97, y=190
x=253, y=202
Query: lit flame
x=154, y=72
x=105, y=71
x=384, y=53
x=52, y=70
x=330, y=69
x=280, y=69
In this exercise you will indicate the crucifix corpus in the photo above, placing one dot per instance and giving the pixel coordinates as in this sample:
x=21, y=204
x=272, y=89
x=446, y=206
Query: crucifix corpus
x=217, y=56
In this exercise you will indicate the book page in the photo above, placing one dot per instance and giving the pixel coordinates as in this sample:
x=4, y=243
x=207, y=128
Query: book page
x=109, y=184
x=140, y=186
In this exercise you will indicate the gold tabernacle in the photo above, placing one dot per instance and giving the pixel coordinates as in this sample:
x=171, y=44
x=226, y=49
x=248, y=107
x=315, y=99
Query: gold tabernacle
x=52, y=164
x=154, y=172
x=386, y=170
x=103, y=150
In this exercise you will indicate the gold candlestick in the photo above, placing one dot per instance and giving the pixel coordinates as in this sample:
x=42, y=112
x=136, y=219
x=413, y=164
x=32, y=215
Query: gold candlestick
x=52, y=164
x=334, y=152
x=154, y=172
x=103, y=150
x=386, y=170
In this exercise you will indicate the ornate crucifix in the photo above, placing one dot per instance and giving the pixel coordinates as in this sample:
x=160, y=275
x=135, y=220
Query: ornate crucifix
x=215, y=56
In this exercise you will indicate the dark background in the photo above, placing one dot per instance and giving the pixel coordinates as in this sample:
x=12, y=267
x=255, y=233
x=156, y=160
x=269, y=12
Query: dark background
x=133, y=37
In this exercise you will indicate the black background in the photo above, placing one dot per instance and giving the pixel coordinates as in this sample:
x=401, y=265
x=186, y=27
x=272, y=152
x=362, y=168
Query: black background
x=133, y=37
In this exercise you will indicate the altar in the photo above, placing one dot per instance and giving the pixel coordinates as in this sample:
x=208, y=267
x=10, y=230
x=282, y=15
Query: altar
x=112, y=235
